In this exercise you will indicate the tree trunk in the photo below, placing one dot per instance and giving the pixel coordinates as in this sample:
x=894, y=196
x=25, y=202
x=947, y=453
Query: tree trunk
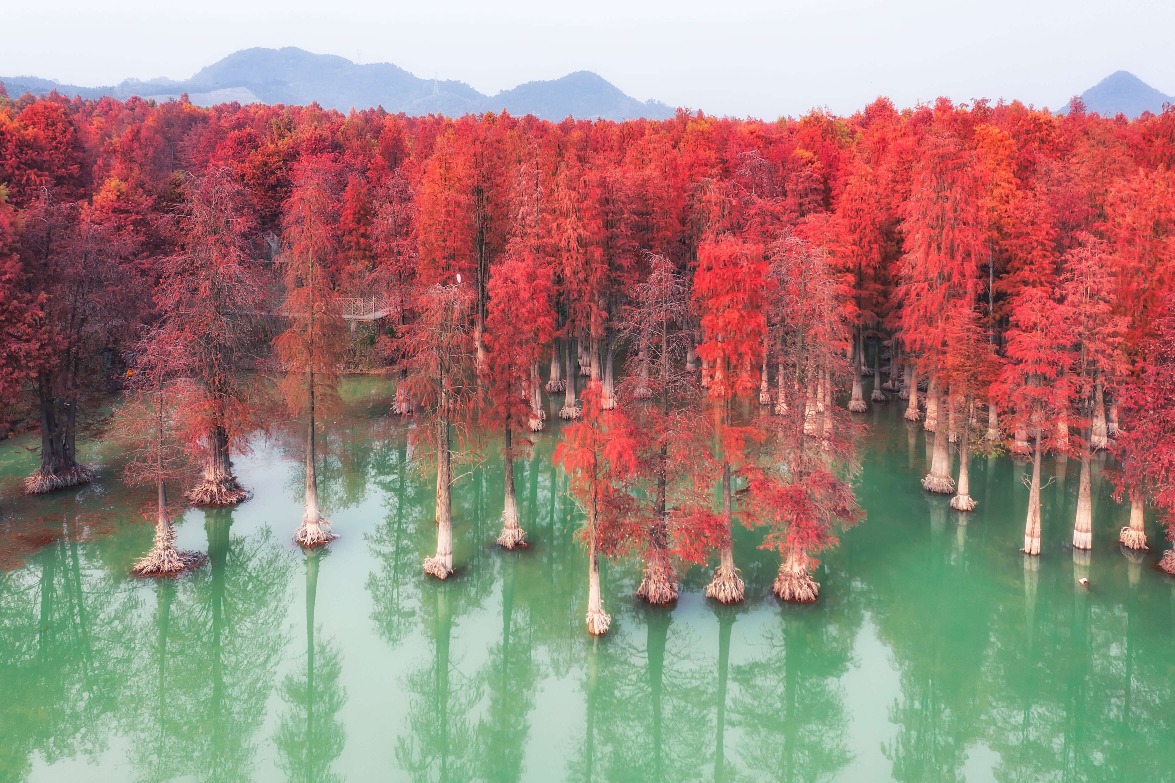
x=219, y=486
x=1099, y=438
x=59, y=468
x=878, y=395
x=570, y=409
x=764, y=383
x=857, y=403
x=440, y=565
x=910, y=391
x=314, y=531
x=164, y=559
x=538, y=415
x=1112, y=429
x=598, y=620
x=643, y=391
x=513, y=535
x=1134, y=535
x=952, y=419
x=794, y=582
x=727, y=586
x=659, y=583
x=1083, y=525
x=962, y=501
x=1020, y=447
x=1032, y=524
x=594, y=360
x=993, y=424
x=608, y=392
x=556, y=382
x=781, y=389
x=930, y=423
x=939, y=480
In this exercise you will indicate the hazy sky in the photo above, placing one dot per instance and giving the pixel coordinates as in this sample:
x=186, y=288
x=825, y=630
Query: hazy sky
x=723, y=56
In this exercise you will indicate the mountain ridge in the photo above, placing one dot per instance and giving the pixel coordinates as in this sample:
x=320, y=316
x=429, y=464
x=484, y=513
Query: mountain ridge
x=295, y=76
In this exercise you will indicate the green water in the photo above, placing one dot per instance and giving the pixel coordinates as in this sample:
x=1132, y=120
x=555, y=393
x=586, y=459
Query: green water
x=937, y=652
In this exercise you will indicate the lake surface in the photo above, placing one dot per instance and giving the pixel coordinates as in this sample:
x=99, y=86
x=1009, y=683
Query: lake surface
x=937, y=651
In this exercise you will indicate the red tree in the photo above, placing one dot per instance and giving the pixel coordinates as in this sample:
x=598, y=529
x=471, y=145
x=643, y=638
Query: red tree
x=599, y=454
x=309, y=348
x=731, y=293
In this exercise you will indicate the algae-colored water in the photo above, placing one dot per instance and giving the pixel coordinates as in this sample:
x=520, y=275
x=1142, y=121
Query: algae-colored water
x=937, y=651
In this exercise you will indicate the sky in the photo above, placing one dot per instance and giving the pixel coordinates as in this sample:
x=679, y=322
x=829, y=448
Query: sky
x=726, y=57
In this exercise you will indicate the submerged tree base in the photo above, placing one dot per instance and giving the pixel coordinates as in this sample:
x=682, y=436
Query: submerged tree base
x=165, y=562
x=795, y=587
x=1167, y=564
x=727, y=587
x=940, y=485
x=1132, y=539
x=437, y=568
x=963, y=502
x=570, y=412
x=598, y=622
x=556, y=386
x=511, y=538
x=45, y=481
x=878, y=396
x=858, y=406
x=314, y=534
x=217, y=493
x=1083, y=539
x=658, y=585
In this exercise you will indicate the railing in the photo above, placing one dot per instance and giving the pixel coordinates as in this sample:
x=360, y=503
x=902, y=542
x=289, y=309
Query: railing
x=364, y=308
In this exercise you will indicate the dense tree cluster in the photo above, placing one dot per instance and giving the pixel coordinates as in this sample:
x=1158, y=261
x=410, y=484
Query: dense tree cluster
x=711, y=296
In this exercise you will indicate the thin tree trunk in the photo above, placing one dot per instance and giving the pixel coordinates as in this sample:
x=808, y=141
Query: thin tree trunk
x=512, y=535
x=993, y=423
x=314, y=531
x=930, y=423
x=608, y=392
x=537, y=414
x=962, y=501
x=910, y=391
x=878, y=395
x=1032, y=524
x=1099, y=439
x=570, y=409
x=598, y=620
x=440, y=565
x=1083, y=525
x=727, y=586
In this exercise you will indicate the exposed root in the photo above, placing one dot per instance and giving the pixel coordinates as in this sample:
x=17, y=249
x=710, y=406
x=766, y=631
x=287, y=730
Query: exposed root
x=726, y=587
x=556, y=386
x=45, y=481
x=511, y=538
x=963, y=503
x=164, y=560
x=314, y=534
x=218, y=493
x=659, y=583
x=1167, y=564
x=1132, y=539
x=535, y=423
x=795, y=587
x=891, y=385
x=570, y=412
x=940, y=485
x=764, y=397
x=878, y=396
x=608, y=402
x=858, y=406
x=1083, y=539
x=436, y=568
x=911, y=413
x=598, y=622
x=643, y=393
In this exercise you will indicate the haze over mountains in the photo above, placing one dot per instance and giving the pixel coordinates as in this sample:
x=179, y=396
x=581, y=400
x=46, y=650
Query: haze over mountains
x=295, y=76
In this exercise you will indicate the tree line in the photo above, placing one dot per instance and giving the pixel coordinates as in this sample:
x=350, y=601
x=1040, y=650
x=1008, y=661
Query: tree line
x=707, y=298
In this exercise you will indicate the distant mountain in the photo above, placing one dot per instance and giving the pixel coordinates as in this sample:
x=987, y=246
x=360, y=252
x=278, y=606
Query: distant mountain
x=1124, y=93
x=295, y=76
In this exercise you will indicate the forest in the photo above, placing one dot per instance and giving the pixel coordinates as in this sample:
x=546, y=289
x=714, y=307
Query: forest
x=711, y=302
